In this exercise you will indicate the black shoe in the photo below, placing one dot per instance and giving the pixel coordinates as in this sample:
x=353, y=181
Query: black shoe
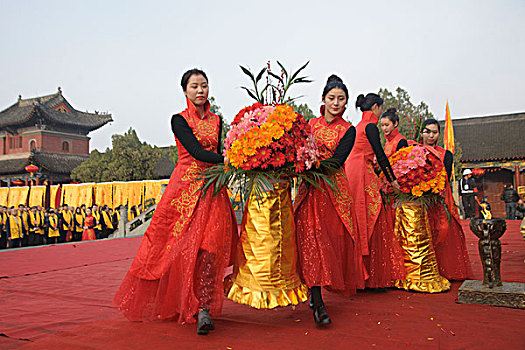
x=311, y=302
x=205, y=323
x=321, y=317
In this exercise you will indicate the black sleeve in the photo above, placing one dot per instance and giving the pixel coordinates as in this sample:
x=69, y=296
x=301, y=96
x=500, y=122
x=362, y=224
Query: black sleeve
x=343, y=149
x=372, y=134
x=185, y=135
x=449, y=159
x=401, y=144
x=219, y=142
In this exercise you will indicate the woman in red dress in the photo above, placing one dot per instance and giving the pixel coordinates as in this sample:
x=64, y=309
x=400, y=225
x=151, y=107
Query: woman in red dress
x=394, y=141
x=389, y=125
x=381, y=253
x=448, y=237
x=89, y=224
x=179, y=269
x=324, y=218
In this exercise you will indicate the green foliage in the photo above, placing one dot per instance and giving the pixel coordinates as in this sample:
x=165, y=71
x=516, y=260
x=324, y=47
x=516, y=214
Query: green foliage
x=410, y=115
x=127, y=160
x=276, y=88
x=214, y=108
x=173, y=154
x=304, y=110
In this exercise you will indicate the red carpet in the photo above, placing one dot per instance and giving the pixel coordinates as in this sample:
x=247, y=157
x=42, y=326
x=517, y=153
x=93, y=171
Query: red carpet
x=59, y=297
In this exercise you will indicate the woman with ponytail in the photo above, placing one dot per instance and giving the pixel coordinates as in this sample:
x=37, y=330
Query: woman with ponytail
x=382, y=256
x=389, y=125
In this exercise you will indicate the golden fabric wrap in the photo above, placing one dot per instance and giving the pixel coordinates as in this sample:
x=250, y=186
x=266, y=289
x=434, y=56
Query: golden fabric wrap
x=412, y=229
x=265, y=274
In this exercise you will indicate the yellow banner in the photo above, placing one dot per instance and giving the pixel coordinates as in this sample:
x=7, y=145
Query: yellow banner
x=152, y=189
x=37, y=196
x=3, y=196
x=104, y=194
x=75, y=195
x=17, y=195
x=135, y=193
x=86, y=194
x=120, y=195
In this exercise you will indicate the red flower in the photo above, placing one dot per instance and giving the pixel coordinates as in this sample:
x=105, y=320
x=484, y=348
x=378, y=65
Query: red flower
x=245, y=110
x=278, y=159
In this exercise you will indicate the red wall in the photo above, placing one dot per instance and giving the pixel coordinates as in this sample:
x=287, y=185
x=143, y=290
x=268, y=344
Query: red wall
x=46, y=143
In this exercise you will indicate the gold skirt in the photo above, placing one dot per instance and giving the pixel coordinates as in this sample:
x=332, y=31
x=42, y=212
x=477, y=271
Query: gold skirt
x=412, y=229
x=265, y=272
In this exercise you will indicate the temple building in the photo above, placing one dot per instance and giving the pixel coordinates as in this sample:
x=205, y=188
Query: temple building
x=495, y=147
x=48, y=132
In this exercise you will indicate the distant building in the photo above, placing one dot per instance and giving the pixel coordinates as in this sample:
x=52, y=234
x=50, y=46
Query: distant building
x=497, y=145
x=48, y=132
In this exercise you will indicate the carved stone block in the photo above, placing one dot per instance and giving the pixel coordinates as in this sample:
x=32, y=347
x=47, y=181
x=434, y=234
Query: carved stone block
x=508, y=295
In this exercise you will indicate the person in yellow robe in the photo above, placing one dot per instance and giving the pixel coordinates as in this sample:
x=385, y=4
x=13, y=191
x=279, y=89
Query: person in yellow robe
x=35, y=227
x=3, y=221
x=53, y=231
x=14, y=229
x=78, y=220
x=98, y=227
x=42, y=214
x=24, y=219
x=68, y=224
x=106, y=222
x=115, y=217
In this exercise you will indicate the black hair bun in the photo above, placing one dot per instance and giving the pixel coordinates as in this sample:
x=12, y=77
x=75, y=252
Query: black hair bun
x=360, y=100
x=334, y=79
x=391, y=110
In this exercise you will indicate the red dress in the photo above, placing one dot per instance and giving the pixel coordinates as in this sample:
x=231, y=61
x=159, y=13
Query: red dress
x=391, y=142
x=89, y=233
x=325, y=222
x=449, y=238
x=381, y=253
x=186, y=248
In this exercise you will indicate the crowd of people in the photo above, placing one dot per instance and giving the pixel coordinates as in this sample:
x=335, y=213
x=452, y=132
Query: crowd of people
x=25, y=226
x=345, y=238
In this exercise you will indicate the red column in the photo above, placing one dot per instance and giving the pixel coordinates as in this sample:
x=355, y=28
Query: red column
x=517, y=176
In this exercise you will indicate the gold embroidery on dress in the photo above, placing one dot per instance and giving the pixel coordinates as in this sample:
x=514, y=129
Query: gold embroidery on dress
x=344, y=200
x=186, y=201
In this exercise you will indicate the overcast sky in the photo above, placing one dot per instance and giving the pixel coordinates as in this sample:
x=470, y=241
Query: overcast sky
x=127, y=57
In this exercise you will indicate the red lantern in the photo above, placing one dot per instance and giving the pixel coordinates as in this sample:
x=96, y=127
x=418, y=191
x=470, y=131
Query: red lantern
x=478, y=172
x=31, y=168
x=17, y=182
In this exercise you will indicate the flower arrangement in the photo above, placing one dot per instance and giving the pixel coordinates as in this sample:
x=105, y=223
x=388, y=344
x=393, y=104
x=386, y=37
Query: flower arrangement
x=268, y=141
x=270, y=137
x=419, y=171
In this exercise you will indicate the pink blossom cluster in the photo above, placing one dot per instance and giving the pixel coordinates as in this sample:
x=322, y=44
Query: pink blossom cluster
x=309, y=153
x=250, y=119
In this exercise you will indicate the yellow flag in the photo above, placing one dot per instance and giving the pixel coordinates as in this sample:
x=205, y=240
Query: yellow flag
x=448, y=137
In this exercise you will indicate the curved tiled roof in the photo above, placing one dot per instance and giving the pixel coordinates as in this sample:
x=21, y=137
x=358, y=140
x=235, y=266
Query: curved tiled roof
x=52, y=162
x=498, y=137
x=25, y=109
